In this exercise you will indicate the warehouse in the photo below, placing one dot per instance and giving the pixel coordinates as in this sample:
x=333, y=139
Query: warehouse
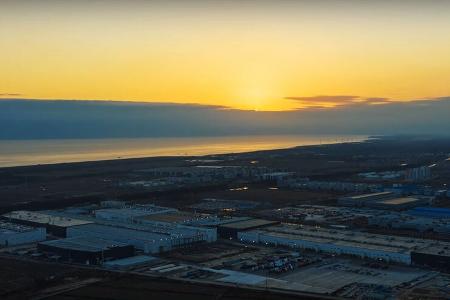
x=150, y=239
x=189, y=233
x=363, y=245
x=129, y=214
x=56, y=225
x=15, y=234
x=161, y=219
x=179, y=234
x=230, y=230
x=87, y=250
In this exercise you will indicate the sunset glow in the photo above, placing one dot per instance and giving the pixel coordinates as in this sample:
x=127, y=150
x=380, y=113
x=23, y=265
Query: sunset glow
x=228, y=53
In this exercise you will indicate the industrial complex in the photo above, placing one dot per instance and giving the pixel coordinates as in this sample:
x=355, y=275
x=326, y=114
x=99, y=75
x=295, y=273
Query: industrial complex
x=372, y=235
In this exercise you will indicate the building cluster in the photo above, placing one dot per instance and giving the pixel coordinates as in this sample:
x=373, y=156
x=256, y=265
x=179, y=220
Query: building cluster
x=168, y=178
x=209, y=172
x=108, y=233
x=408, y=221
x=353, y=243
x=404, y=189
x=116, y=230
x=420, y=219
x=418, y=174
x=324, y=215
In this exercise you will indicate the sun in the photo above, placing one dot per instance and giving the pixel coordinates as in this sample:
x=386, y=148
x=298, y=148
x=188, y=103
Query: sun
x=259, y=97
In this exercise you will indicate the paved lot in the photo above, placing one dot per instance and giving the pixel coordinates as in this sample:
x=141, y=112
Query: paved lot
x=332, y=277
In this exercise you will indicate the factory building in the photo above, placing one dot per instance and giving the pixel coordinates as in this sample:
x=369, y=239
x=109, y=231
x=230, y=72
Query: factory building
x=210, y=171
x=56, y=225
x=362, y=200
x=363, y=245
x=15, y=234
x=164, y=220
x=146, y=237
x=231, y=229
x=168, y=230
x=87, y=250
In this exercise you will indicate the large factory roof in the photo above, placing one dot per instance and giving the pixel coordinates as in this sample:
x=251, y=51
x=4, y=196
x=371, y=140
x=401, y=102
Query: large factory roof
x=125, y=212
x=86, y=244
x=252, y=223
x=173, y=217
x=350, y=238
x=136, y=211
x=121, y=232
x=42, y=218
x=324, y=240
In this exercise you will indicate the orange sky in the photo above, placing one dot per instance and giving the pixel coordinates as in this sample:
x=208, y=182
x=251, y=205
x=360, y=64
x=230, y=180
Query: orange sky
x=242, y=54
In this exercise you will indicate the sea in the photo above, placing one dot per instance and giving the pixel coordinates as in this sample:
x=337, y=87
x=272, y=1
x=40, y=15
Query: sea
x=36, y=152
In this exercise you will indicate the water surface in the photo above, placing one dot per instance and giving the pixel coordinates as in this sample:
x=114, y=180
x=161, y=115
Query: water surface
x=32, y=152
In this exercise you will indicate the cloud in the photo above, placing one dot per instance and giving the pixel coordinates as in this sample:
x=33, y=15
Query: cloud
x=335, y=98
x=377, y=99
x=10, y=95
x=331, y=101
x=323, y=100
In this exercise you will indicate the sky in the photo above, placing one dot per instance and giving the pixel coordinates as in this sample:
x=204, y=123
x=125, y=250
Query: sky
x=248, y=55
